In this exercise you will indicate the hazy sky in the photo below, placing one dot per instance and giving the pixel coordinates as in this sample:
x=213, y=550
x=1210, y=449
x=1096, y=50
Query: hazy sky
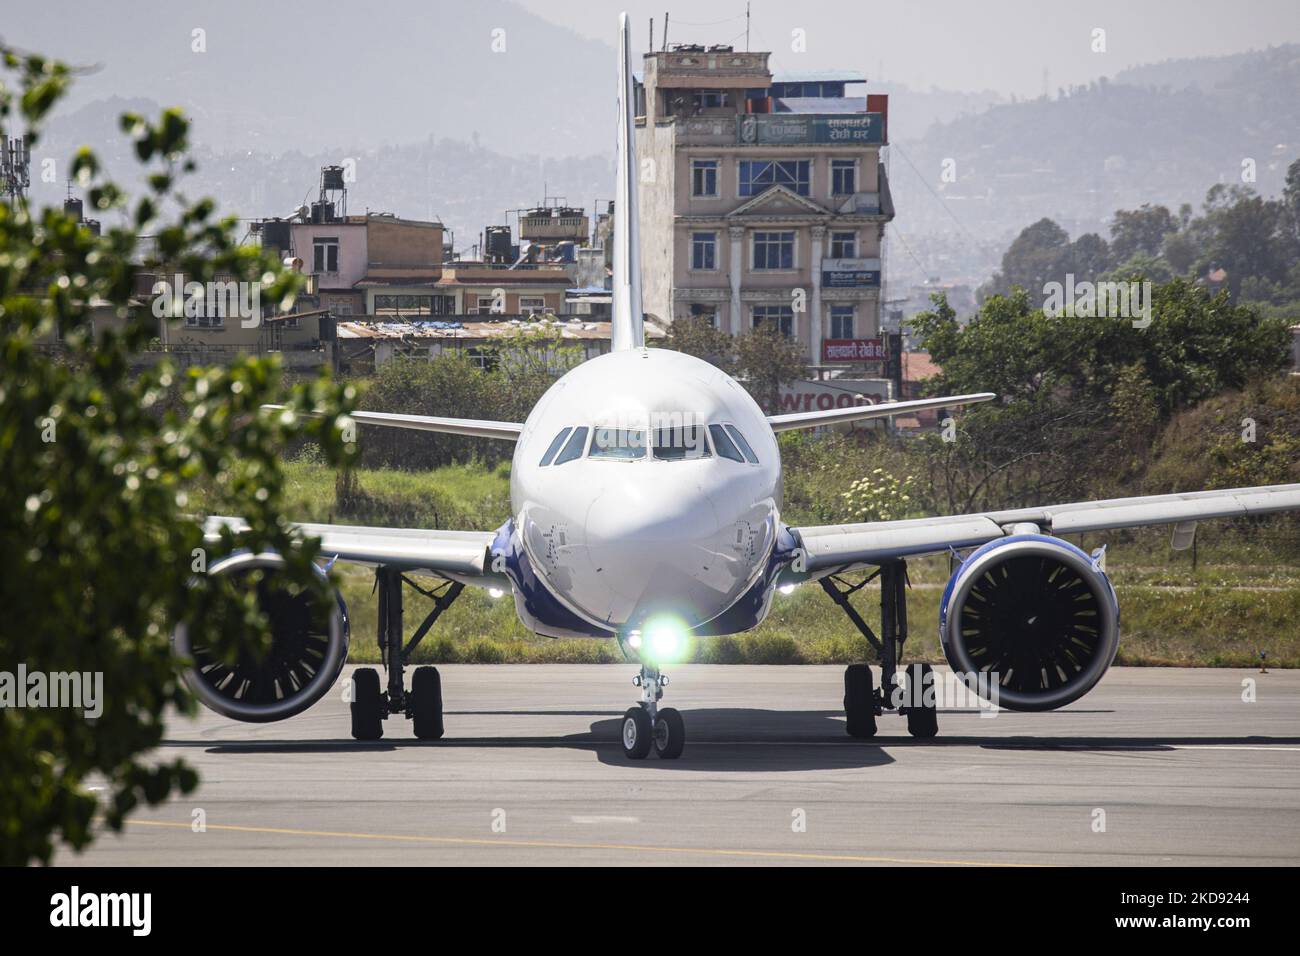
x=1003, y=45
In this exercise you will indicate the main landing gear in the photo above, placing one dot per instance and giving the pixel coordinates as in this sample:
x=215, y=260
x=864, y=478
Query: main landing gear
x=646, y=726
x=863, y=702
x=423, y=704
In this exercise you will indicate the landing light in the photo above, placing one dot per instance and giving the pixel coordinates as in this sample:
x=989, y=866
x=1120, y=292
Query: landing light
x=495, y=593
x=786, y=589
x=665, y=640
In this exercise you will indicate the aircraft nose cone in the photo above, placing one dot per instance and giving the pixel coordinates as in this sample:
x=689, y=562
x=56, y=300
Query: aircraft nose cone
x=653, y=558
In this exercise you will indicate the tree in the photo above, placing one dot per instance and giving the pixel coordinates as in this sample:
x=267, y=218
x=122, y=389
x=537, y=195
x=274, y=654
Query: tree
x=767, y=360
x=1140, y=230
x=1033, y=259
x=1079, y=394
x=1087, y=257
x=701, y=338
x=100, y=553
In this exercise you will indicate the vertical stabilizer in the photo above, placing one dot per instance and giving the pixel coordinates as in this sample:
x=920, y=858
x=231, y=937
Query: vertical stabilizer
x=628, y=329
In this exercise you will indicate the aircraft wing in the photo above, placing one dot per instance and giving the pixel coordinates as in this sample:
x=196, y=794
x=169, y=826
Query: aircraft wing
x=838, y=416
x=458, y=555
x=829, y=548
x=476, y=427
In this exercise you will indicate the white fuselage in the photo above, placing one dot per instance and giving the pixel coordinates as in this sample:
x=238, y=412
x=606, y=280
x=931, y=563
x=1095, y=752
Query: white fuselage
x=620, y=537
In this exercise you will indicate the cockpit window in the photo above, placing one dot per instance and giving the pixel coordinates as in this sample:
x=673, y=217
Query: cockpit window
x=573, y=449
x=680, y=443
x=554, y=446
x=734, y=432
x=623, y=444
x=723, y=445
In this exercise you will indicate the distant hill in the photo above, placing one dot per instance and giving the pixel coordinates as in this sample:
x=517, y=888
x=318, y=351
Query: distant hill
x=466, y=185
x=1158, y=134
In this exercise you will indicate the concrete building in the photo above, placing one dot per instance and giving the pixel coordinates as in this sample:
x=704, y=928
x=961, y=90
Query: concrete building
x=365, y=264
x=763, y=199
x=480, y=288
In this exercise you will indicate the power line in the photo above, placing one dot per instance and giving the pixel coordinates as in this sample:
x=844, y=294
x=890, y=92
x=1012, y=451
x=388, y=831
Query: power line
x=894, y=233
x=939, y=199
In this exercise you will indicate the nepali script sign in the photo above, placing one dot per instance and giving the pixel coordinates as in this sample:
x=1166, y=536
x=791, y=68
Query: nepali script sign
x=775, y=128
x=853, y=350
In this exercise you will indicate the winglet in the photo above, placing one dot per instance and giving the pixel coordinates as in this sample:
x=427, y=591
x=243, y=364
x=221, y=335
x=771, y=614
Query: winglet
x=627, y=328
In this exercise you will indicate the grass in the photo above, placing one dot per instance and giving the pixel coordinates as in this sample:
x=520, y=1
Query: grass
x=1242, y=597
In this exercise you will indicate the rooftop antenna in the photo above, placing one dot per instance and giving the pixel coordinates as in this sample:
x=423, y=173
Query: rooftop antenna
x=746, y=26
x=652, y=34
x=15, y=167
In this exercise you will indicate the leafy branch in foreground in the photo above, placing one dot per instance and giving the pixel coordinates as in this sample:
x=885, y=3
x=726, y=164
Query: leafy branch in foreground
x=98, y=548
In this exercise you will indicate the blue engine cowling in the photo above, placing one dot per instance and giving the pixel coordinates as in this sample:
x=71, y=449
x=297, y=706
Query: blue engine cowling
x=1035, y=611
x=309, y=646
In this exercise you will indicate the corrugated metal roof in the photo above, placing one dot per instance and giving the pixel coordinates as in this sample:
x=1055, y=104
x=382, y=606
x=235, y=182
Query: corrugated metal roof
x=457, y=329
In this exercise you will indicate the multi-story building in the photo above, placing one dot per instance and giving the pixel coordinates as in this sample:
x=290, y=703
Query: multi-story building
x=763, y=199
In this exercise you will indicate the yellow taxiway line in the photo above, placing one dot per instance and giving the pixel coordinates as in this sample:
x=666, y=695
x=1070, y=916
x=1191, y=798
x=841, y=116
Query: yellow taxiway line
x=564, y=845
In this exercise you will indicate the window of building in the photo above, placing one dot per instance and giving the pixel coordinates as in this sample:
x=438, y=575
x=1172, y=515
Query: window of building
x=704, y=250
x=842, y=321
x=781, y=316
x=773, y=250
x=680, y=443
x=760, y=174
x=325, y=254
x=531, y=303
x=745, y=448
x=704, y=177
x=485, y=359
x=844, y=177
x=709, y=313
x=575, y=445
x=404, y=304
x=620, y=444
x=483, y=304
x=844, y=245
x=710, y=99
x=208, y=320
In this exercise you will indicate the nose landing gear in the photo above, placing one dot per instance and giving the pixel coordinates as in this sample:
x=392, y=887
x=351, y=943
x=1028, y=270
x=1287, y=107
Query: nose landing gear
x=647, y=726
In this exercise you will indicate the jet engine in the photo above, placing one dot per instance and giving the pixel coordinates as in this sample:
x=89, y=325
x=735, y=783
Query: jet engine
x=1035, y=613
x=309, y=645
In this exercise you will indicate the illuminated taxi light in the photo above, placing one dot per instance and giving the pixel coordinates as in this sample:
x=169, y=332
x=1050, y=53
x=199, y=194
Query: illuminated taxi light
x=665, y=639
x=495, y=593
x=786, y=589
x=634, y=640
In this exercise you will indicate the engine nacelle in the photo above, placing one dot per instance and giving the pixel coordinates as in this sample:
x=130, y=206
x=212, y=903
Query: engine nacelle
x=309, y=646
x=1037, y=612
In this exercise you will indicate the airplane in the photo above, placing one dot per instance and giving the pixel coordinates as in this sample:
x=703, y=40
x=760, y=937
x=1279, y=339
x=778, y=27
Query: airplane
x=646, y=496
